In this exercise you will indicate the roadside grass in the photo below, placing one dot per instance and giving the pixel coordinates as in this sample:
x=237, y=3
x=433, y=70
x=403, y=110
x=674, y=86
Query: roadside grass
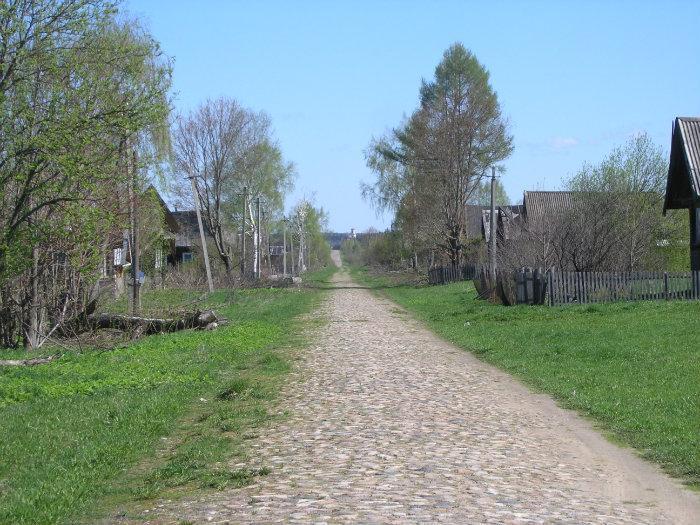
x=634, y=368
x=98, y=430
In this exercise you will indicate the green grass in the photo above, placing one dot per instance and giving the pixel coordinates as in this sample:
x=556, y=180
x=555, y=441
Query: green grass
x=102, y=429
x=632, y=367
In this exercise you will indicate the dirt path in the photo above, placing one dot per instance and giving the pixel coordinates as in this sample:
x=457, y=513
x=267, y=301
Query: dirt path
x=391, y=424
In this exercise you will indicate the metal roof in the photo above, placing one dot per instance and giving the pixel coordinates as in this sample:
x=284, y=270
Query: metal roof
x=683, y=184
x=541, y=205
x=690, y=134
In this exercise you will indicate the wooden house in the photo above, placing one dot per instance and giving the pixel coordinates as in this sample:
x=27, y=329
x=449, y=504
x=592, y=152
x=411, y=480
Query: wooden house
x=683, y=182
x=118, y=254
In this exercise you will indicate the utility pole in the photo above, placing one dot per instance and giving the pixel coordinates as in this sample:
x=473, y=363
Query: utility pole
x=291, y=251
x=245, y=213
x=284, y=247
x=257, y=242
x=267, y=243
x=493, y=227
x=136, y=288
x=195, y=195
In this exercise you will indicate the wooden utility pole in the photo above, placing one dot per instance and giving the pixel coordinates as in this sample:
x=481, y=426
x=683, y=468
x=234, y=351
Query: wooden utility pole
x=493, y=227
x=291, y=251
x=257, y=240
x=136, y=288
x=195, y=195
x=267, y=243
x=245, y=213
x=284, y=247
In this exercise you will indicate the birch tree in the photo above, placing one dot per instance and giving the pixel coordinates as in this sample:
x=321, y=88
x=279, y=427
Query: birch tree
x=227, y=148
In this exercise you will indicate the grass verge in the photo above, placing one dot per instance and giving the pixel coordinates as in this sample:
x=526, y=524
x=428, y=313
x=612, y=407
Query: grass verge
x=631, y=367
x=137, y=422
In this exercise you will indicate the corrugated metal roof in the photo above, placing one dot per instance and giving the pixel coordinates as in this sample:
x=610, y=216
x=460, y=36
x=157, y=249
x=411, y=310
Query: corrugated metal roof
x=541, y=205
x=690, y=135
x=683, y=184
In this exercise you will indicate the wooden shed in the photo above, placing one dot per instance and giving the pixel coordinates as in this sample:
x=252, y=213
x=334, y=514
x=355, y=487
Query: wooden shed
x=683, y=183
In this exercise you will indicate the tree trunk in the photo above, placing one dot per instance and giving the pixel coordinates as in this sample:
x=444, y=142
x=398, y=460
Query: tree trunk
x=32, y=332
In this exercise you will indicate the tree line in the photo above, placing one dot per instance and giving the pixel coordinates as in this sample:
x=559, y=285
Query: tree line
x=437, y=162
x=86, y=127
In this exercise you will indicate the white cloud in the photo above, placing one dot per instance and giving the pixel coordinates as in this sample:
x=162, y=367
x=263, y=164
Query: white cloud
x=562, y=142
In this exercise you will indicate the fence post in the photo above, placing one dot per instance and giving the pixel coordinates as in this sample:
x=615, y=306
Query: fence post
x=550, y=287
x=519, y=286
x=666, y=285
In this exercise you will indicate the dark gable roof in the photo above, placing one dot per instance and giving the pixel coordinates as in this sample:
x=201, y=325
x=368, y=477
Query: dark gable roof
x=683, y=183
x=473, y=219
x=170, y=220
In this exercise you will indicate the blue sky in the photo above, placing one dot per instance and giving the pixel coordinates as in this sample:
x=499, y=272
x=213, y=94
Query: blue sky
x=575, y=79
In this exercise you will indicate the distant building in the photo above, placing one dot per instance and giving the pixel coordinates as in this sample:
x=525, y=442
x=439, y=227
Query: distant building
x=538, y=208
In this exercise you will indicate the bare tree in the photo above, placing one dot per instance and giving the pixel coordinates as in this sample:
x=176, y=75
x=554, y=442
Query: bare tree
x=207, y=144
x=612, y=223
x=225, y=148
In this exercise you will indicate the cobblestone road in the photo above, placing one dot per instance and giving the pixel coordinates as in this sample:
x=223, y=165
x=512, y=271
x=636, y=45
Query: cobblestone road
x=391, y=424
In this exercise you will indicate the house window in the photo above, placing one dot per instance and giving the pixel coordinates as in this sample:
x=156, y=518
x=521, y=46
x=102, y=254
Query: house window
x=187, y=257
x=159, y=258
x=118, y=257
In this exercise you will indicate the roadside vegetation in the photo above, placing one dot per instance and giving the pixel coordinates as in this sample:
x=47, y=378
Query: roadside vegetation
x=164, y=413
x=630, y=367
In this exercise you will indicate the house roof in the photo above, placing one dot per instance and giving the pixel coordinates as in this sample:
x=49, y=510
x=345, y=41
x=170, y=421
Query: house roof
x=170, y=220
x=683, y=183
x=474, y=220
x=540, y=205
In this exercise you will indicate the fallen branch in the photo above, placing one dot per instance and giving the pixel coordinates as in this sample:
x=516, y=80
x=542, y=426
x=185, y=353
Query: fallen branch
x=28, y=362
x=147, y=326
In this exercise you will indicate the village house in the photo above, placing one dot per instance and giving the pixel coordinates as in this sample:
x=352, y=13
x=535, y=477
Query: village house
x=683, y=183
x=178, y=241
x=538, y=208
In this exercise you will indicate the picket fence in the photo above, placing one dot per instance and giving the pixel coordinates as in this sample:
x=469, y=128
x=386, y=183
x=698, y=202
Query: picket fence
x=604, y=287
x=555, y=288
x=452, y=274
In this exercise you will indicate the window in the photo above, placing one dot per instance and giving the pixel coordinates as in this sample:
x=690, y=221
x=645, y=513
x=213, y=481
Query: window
x=118, y=257
x=159, y=258
x=187, y=257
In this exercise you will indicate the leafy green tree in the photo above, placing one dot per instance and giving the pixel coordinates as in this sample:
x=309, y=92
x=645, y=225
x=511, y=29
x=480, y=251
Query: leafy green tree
x=79, y=92
x=482, y=194
x=309, y=223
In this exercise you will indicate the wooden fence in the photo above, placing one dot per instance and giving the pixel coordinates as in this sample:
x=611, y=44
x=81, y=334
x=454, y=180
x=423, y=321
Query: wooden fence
x=452, y=274
x=554, y=287
x=603, y=287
